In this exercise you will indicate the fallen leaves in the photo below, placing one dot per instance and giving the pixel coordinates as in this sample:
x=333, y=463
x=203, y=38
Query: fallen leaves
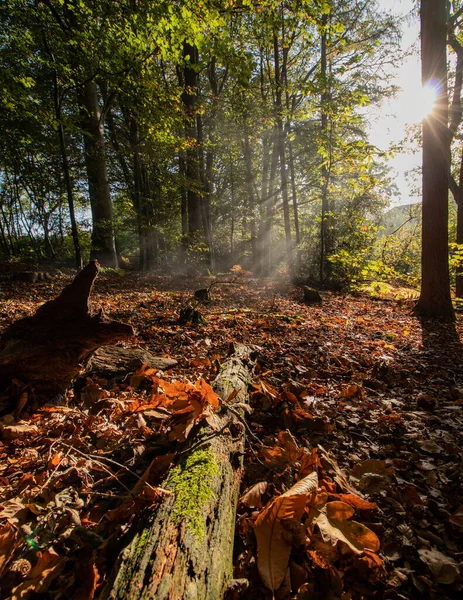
x=381, y=392
x=48, y=566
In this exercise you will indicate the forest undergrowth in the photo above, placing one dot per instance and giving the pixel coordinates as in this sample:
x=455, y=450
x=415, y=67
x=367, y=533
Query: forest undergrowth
x=355, y=388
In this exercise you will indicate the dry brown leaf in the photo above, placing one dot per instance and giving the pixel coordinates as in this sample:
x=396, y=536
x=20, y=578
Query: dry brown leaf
x=330, y=464
x=87, y=575
x=208, y=393
x=355, y=501
x=273, y=551
x=457, y=518
x=351, y=390
x=444, y=568
x=13, y=432
x=7, y=543
x=49, y=565
x=252, y=498
x=370, y=465
x=334, y=524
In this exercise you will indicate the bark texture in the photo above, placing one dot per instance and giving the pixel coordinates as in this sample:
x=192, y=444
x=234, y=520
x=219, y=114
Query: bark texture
x=113, y=361
x=167, y=559
x=41, y=355
x=435, y=300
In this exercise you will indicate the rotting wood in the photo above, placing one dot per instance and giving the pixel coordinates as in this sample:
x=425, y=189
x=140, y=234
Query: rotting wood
x=175, y=556
x=114, y=361
x=42, y=354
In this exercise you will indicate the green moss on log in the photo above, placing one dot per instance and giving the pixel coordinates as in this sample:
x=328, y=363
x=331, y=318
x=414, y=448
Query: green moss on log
x=190, y=482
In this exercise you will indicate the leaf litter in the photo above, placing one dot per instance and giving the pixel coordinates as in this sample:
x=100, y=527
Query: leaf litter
x=354, y=491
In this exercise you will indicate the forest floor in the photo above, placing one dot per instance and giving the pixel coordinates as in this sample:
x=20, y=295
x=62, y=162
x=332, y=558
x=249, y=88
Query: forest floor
x=356, y=388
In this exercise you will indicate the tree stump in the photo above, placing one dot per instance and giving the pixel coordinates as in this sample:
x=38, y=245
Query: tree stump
x=41, y=355
x=183, y=551
x=190, y=316
x=311, y=295
x=202, y=295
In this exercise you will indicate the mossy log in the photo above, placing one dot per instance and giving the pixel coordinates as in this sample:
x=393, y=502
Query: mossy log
x=184, y=550
x=42, y=354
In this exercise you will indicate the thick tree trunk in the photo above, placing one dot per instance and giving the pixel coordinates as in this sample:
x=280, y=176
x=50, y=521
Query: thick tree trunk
x=435, y=297
x=168, y=558
x=103, y=242
x=41, y=355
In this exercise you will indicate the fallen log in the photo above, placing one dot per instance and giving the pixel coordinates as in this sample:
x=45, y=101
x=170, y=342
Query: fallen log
x=113, y=362
x=183, y=551
x=42, y=354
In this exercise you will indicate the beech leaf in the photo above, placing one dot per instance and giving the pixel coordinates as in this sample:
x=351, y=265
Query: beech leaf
x=334, y=524
x=252, y=498
x=273, y=550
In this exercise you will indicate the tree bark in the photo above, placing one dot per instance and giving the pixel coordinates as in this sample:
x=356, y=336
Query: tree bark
x=67, y=173
x=324, y=246
x=41, y=355
x=190, y=98
x=251, y=200
x=435, y=297
x=166, y=560
x=282, y=156
x=459, y=236
x=103, y=242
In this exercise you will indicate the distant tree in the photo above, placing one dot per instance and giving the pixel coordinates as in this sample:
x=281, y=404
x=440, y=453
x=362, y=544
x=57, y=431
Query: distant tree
x=435, y=299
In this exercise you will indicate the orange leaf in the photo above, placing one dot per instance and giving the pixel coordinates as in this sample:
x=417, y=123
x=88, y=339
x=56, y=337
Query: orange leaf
x=273, y=550
x=334, y=524
x=208, y=393
x=355, y=501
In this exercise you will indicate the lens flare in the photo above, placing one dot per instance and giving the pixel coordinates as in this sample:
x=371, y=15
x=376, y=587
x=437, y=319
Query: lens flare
x=426, y=101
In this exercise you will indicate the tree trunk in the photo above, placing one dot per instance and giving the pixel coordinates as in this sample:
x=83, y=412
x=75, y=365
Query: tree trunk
x=324, y=265
x=251, y=201
x=206, y=162
x=282, y=156
x=190, y=98
x=459, y=240
x=183, y=210
x=168, y=559
x=41, y=355
x=435, y=297
x=103, y=242
x=67, y=176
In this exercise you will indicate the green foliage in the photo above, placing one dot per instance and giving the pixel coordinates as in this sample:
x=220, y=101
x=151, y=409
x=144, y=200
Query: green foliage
x=134, y=52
